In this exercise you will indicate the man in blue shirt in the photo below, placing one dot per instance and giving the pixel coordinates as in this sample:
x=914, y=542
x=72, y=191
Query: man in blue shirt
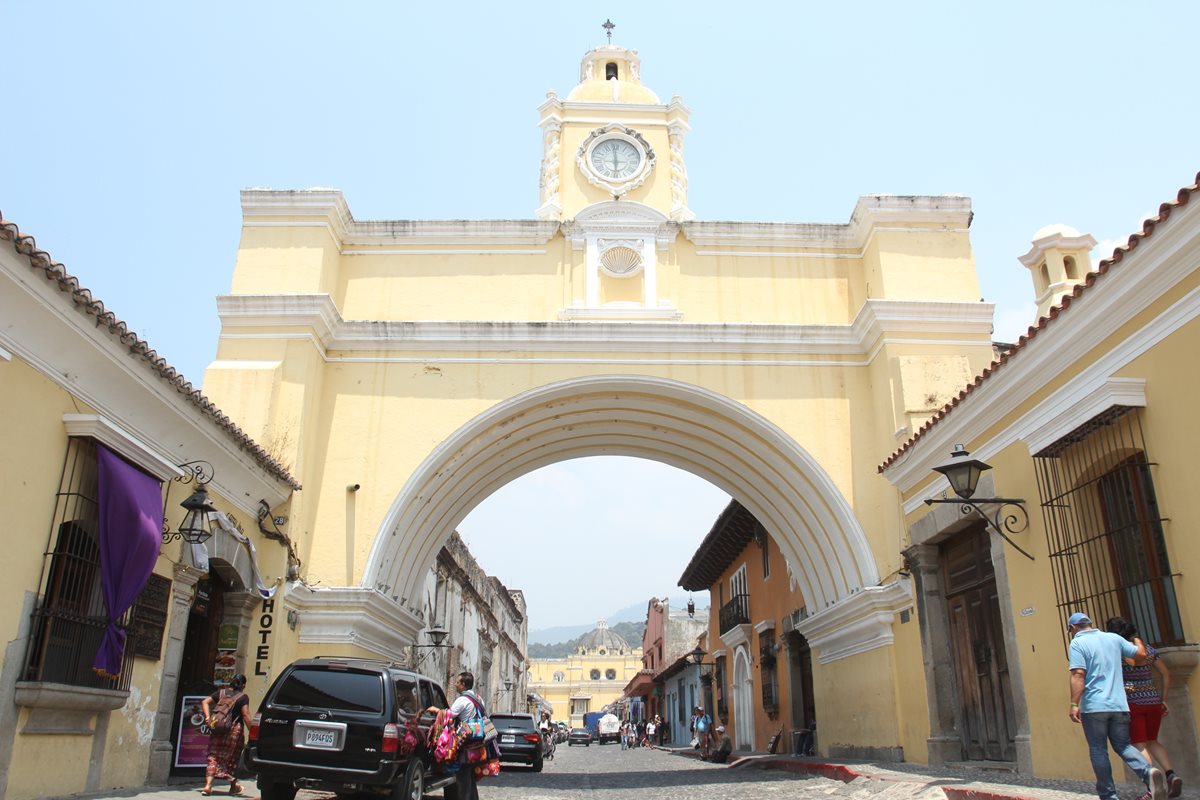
x=1098, y=702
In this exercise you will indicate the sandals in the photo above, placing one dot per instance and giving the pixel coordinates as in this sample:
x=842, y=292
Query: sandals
x=206, y=792
x=235, y=789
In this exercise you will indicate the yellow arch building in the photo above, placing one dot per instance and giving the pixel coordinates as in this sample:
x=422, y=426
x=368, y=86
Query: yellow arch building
x=588, y=679
x=433, y=361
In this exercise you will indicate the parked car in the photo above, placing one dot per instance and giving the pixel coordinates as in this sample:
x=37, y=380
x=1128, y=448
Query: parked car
x=578, y=736
x=519, y=740
x=346, y=725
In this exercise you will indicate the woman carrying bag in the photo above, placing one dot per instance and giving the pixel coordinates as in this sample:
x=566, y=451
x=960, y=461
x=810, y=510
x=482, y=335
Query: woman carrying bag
x=226, y=714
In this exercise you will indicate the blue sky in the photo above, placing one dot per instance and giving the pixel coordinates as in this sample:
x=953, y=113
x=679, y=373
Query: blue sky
x=132, y=126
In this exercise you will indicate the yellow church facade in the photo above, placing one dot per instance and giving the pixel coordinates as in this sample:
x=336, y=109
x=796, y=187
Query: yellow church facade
x=589, y=679
x=430, y=362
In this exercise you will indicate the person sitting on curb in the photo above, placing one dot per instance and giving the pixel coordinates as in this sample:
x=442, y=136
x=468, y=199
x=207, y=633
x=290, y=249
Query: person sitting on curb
x=724, y=747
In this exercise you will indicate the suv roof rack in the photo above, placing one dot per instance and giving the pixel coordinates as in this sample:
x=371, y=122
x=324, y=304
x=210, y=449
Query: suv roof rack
x=388, y=662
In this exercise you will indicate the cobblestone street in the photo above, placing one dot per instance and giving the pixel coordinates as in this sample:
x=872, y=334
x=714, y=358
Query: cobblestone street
x=609, y=773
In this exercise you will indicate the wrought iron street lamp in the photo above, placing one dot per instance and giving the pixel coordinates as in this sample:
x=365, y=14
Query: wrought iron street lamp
x=195, y=528
x=963, y=473
x=691, y=607
x=437, y=636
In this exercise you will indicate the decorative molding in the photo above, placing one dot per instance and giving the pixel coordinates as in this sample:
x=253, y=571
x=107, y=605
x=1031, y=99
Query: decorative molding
x=1055, y=241
x=737, y=636
x=764, y=626
x=857, y=623
x=5, y=355
x=1066, y=411
x=50, y=333
x=1143, y=276
x=616, y=132
x=629, y=329
x=123, y=442
x=353, y=616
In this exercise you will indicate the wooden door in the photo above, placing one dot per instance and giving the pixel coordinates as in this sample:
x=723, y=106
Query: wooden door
x=977, y=645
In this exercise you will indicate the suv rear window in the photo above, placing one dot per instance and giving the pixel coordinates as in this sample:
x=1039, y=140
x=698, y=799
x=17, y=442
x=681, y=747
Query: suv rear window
x=510, y=721
x=345, y=690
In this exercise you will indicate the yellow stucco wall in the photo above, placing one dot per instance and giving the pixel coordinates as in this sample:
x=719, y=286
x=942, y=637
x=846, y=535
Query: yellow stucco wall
x=576, y=670
x=1058, y=748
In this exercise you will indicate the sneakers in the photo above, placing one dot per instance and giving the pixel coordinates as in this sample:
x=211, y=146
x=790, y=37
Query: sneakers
x=1175, y=784
x=1158, y=784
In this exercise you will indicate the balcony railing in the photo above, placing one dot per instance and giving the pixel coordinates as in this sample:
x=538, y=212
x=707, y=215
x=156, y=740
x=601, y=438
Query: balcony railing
x=735, y=612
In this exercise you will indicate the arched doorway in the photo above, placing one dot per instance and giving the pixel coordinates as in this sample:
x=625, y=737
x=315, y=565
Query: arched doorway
x=743, y=694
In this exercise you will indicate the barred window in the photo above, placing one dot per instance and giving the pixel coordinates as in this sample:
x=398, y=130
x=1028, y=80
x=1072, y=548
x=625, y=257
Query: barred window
x=1104, y=529
x=70, y=617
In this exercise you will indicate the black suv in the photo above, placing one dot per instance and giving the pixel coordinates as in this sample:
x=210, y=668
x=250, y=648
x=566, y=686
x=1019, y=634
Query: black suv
x=346, y=725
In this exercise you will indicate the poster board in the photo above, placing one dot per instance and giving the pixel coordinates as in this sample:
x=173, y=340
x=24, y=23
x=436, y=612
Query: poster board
x=191, y=745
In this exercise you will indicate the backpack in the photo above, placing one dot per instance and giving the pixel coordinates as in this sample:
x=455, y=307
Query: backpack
x=222, y=715
x=703, y=723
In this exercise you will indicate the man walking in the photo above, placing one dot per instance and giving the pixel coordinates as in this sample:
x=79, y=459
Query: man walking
x=1098, y=703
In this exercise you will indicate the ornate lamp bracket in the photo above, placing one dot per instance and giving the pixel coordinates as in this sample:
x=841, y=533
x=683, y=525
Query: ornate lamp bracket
x=1009, y=516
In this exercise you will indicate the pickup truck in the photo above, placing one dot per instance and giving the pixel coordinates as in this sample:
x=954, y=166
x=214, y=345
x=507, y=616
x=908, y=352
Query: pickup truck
x=608, y=729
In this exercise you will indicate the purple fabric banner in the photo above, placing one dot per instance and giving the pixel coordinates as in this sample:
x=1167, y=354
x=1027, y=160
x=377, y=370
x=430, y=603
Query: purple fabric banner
x=131, y=517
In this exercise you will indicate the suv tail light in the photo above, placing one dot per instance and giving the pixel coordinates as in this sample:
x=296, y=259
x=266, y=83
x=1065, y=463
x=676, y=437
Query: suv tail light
x=254, y=722
x=532, y=737
x=391, y=738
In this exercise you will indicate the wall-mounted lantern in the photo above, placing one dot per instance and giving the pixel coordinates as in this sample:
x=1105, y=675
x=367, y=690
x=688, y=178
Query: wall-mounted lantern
x=963, y=474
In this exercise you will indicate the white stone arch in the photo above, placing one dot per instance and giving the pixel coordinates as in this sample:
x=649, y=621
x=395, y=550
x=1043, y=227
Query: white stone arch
x=743, y=700
x=679, y=424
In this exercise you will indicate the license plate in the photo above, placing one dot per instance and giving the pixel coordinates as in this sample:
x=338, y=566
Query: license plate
x=508, y=738
x=317, y=738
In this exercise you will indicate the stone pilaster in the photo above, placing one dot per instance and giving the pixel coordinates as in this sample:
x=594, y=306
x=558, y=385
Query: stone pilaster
x=183, y=589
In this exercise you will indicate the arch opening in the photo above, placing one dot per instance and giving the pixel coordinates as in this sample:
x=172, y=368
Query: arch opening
x=678, y=424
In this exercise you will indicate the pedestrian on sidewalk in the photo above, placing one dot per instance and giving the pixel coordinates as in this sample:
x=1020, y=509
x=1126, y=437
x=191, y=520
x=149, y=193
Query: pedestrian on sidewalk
x=1098, y=703
x=226, y=714
x=651, y=727
x=724, y=747
x=1147, y=704
x=701, y=730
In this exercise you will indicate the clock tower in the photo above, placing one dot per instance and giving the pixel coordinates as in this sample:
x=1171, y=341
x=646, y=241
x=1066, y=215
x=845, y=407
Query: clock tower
x=612, y=139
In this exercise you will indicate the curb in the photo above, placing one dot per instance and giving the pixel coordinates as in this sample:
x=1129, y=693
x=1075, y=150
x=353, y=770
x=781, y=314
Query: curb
x=845, y=774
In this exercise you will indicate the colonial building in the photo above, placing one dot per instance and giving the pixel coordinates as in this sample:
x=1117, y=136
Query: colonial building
x=482, y=626
x=102, y=442
x=1089, y=426
x=758, y=679
x=430, y=362
x=589, y=679
x=669, y=636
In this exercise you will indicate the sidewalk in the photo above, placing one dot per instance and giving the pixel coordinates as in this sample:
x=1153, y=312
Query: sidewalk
x=960, y=782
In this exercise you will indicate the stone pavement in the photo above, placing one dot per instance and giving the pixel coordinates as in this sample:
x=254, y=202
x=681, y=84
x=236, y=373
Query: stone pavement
x=607, y=773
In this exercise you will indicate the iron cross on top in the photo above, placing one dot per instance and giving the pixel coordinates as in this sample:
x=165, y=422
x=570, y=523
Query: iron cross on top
x=608, y=28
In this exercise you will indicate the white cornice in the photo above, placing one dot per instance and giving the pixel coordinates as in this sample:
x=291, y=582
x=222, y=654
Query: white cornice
x=590, y=105
x=123, y=442
x=353, y=616
x=736, y=637
x=1056, y=241
x=1066, y=410
x=765, y=625
x=45, y=329
x=858, y=623
x=875, y=321
x=1143, y=276
x=905, y=214
x=605, y=314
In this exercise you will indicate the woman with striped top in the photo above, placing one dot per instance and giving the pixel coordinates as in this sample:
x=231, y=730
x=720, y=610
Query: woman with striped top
x=1147, y=704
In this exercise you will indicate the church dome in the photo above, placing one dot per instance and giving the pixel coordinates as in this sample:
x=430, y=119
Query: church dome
x=611, y=74
x=602, y=638
x=1066, y=231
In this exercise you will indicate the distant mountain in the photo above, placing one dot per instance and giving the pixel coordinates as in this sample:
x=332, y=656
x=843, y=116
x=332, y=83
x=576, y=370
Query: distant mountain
x=631, y=632
x=560, y=634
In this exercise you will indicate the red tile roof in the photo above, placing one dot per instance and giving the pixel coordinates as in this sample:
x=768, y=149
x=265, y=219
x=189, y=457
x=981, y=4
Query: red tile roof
x=40, y=261
x=1164, y=211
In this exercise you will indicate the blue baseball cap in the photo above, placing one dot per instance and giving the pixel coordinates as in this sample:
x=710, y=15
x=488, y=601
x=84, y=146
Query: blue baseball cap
x=1079, y=618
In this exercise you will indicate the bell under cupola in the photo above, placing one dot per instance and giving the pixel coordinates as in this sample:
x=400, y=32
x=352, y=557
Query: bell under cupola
x=612, y=138
x=1058, y=261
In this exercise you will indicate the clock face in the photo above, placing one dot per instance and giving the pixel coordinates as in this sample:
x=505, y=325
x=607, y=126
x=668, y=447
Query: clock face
x=616, y=159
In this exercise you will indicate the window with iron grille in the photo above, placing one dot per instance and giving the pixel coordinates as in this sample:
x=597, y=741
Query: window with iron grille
x=1104, y=529
x=767, y=671
x=70, y=617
